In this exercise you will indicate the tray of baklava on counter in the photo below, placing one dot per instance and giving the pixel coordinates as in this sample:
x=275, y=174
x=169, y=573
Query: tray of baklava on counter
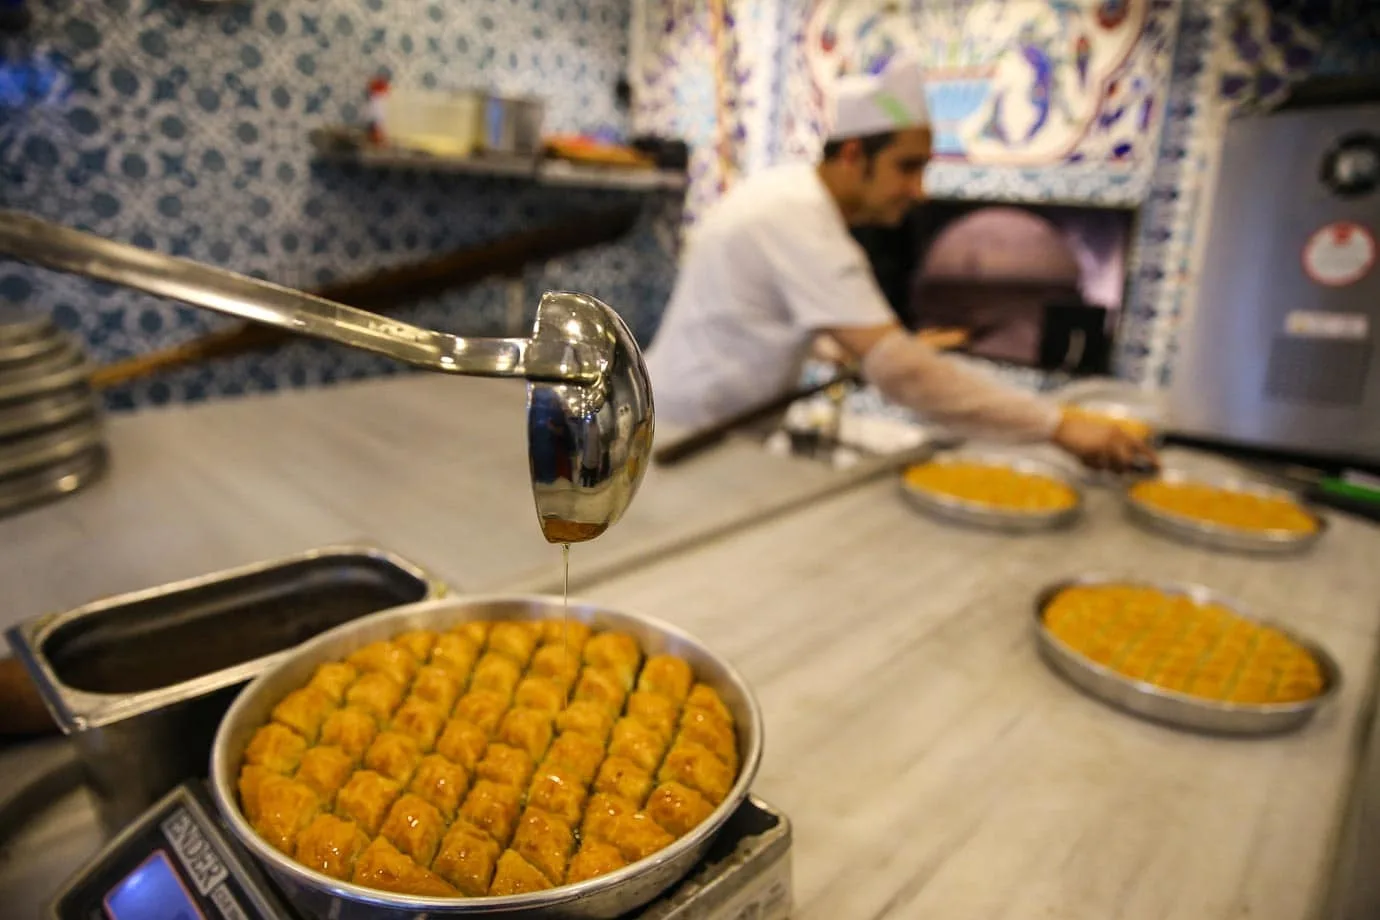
x=1223, y=512
x=1182, y=654
x=488, y=755
x=994, y=490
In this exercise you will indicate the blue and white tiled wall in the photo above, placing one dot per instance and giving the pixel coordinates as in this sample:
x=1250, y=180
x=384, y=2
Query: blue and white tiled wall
x=182, y=127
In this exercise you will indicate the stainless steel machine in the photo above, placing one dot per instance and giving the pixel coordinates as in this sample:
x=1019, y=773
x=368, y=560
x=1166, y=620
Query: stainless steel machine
x=1281, y=351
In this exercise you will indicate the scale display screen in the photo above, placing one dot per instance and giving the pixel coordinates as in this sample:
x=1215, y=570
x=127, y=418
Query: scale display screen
x=153, y=891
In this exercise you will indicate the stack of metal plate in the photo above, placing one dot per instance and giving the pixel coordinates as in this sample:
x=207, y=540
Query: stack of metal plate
x=52, y=440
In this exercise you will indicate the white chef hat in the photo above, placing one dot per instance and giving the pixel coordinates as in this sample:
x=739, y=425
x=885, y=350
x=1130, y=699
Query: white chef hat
x=893, y=100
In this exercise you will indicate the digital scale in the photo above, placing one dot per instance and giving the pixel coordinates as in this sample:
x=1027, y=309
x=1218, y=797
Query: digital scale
x=177, y=861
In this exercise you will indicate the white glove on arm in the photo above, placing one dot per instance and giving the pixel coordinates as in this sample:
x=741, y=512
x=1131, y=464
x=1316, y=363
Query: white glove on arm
x=909, y=372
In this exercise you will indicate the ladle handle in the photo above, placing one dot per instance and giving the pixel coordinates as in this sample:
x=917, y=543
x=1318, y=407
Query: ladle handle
x=54, y=246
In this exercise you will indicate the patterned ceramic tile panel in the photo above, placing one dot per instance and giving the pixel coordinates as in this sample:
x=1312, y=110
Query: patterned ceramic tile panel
x=183, y=128
x=1033, y=100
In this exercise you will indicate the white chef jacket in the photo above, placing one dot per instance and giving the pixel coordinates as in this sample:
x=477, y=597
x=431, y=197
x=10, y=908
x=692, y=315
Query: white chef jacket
x=768, y=266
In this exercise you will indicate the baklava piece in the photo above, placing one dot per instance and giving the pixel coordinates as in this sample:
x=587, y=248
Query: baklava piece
x=496, y=673
x=386, y=658
x=615, y=653
x=394, y=755
x=376, y=693
x=556, y=663
x=333, y=679
x=506, y=766
x=696, y=766
x=678, y=808
x=636, y=836
x=330, y=845
x=578, y=753
x=599, y=686
x=634, y=741
x=568, y=634
x=603, y=808
x=365, y=799
x=493, y=809
x=704, y=728
x=382, y=866
x=284, y=809
x=516, y=875
x=351, y=729
x=517, y=640
x=455, y=653
x=557, y=790
x=586, y=718
x=620, y=776
x=275, y=747
x=418, y=643
x=546, y=842
x=415, y=827
x=466, y=859
x=420, y=720
x=657, y=712
x=481, y=709
x=303, y=711
x=463, y=743
x=667, y=676
x=438, y=686
x=595, y=858
x=325, y=769
x=528, y=729
x=541, y=694
x=441, y=782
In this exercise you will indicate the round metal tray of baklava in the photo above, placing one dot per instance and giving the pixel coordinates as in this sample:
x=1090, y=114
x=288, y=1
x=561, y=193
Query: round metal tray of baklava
x=1171, y=707
x=977, y=514
x=47, y=483
x=617, y=894
x=1198, y=532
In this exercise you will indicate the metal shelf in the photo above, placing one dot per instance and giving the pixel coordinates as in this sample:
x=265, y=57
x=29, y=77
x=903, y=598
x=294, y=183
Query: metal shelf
x=344, y=145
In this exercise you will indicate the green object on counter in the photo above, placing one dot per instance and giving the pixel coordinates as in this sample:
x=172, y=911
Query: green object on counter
x=1344, y=489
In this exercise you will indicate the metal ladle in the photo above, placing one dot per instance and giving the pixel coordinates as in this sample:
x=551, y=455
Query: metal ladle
x=589, y=403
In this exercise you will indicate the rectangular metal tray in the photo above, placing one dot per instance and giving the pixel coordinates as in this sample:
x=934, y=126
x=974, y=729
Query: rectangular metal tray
x=141, y=680
x=1168, y=706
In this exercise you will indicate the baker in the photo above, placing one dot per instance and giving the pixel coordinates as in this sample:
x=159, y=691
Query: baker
x=772, y=265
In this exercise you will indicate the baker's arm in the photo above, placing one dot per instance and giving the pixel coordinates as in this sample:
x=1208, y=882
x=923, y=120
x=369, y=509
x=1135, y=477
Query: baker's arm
x=911, y=372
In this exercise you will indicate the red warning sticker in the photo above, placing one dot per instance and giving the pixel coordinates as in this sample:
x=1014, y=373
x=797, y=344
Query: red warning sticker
x=1339, y=254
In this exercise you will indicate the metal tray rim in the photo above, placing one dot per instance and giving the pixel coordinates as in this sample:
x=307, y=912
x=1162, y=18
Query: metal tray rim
x=79, y=710
x=960, y=511
x=1179, y=705
x=48, y=410
x=1219, y=536
x=36, y=450
x=56, y=480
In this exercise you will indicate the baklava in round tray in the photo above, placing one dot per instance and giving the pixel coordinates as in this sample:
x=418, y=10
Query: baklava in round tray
x=998, y=491
x=1182, y=654
x=1224, y=513
x=463, y=758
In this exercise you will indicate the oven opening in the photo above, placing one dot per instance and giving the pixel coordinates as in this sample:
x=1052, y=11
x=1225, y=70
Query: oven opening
x=1037, y=285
